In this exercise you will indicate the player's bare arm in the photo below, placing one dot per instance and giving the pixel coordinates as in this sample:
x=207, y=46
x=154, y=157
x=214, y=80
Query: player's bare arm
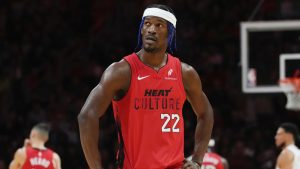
x=19, y=159
x=202, y=108
x=115, y=80
x=56, y=161
x=285, y=160
x=225, y=163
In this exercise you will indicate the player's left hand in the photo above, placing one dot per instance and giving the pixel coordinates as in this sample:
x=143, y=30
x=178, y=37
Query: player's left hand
x=190, y=165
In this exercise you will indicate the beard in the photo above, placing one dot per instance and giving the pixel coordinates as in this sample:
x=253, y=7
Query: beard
x=150, y=49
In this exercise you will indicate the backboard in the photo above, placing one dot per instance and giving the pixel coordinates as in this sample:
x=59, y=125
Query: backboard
x=270, y=50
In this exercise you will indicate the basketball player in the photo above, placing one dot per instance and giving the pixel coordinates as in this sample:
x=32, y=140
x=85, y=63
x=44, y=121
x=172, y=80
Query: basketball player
x=211, y=159
x=148, y=89
x=34, y=154
x=286, y=136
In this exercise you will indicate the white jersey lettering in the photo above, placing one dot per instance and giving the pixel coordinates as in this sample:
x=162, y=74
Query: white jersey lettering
x=38, y=161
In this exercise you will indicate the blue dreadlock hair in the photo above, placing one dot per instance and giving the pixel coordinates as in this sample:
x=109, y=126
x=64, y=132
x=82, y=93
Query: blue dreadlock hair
x=139, y=44
x=171, y=31
x=171, y=38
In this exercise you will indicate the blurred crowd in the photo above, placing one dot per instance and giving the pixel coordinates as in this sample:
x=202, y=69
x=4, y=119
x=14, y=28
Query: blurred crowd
x=53, y=52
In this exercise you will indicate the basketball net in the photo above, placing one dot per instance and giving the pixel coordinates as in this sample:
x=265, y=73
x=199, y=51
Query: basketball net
x=291, y=87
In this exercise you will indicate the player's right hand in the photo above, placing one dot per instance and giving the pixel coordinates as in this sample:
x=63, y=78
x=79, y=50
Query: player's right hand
x=190, y=165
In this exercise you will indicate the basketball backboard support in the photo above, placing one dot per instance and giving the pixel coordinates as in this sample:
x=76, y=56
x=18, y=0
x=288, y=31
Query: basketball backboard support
x=262, y=43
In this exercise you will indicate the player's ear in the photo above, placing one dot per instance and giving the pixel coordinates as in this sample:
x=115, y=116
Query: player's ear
x=32, y=134
x=47, y=138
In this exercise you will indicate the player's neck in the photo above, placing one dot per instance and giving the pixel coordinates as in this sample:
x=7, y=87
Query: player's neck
x=38, y=145
x=155, y=60
x=289, y=143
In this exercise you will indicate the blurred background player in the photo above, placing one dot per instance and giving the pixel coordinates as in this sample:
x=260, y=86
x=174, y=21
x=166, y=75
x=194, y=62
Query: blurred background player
x=286, y=136
x=212, y=160
x=34, y=154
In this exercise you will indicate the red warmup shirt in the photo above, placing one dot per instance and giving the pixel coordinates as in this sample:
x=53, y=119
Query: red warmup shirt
x=212, y=161
x=149, y=117
x=38, y=159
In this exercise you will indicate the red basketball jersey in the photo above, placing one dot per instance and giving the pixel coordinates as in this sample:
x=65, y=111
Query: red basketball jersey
x=212, y=161
x=149, y=117
x=38, y=159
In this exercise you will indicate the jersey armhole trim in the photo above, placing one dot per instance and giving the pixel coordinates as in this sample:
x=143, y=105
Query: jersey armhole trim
x=130, y=83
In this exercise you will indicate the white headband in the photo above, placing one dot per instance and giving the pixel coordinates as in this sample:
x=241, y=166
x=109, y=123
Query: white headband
x=162, y=14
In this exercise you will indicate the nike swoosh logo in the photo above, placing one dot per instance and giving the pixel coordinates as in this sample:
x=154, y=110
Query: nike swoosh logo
x=142, y=77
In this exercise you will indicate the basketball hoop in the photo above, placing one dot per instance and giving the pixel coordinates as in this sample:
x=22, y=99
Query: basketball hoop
x=291, y=87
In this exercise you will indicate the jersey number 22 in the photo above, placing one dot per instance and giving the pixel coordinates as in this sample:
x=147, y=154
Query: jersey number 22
x=167, y=118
